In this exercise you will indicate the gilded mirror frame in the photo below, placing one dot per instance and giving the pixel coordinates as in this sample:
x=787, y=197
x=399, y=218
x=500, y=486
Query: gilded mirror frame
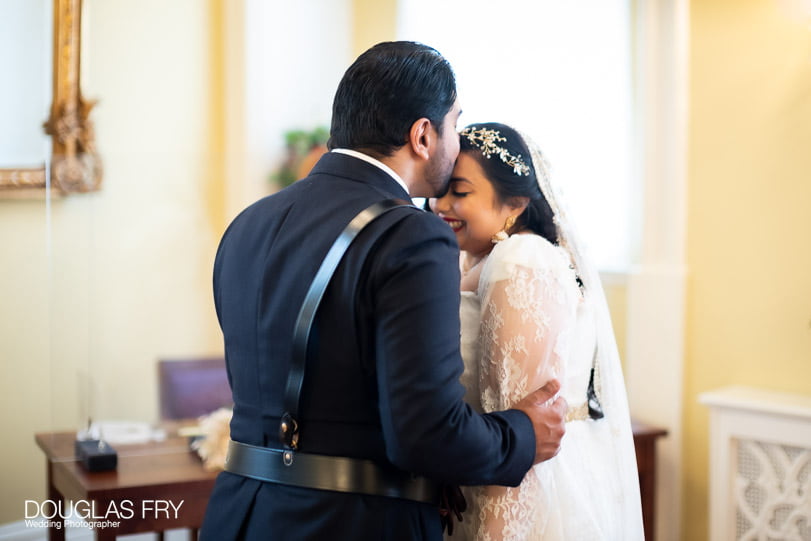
x=74, y=163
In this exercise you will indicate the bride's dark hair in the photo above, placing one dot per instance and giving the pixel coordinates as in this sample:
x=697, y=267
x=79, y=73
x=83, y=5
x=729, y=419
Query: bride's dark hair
x=538, y=216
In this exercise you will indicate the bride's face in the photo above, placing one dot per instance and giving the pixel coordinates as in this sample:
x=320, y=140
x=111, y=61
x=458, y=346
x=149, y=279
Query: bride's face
x=471, y=207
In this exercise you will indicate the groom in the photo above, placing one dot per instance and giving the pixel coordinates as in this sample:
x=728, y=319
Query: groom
x=382, y=418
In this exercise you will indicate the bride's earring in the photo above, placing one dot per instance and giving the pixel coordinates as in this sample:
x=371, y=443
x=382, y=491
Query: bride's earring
x=503, y=234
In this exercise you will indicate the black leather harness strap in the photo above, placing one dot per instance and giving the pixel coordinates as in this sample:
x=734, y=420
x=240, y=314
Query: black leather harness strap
x=289, y=467
x=336, y=473
x=289, y=428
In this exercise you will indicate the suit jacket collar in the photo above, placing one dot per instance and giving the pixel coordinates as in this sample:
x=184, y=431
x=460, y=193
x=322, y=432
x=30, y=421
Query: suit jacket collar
x=352, y=168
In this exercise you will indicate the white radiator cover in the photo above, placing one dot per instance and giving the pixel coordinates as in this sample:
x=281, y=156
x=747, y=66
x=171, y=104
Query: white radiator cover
x=760, y=465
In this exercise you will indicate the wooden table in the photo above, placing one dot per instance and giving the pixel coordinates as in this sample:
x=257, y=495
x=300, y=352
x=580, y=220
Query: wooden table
x=645, y=437
x=157, y=486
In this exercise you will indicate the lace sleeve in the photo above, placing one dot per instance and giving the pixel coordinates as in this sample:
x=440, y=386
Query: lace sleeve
x=527, y=314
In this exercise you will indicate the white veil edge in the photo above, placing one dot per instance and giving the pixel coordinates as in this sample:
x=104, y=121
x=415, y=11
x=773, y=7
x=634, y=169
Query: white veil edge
x=609, y=380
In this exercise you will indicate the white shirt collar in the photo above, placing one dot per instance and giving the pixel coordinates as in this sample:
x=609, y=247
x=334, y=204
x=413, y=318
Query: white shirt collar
x=375, y=162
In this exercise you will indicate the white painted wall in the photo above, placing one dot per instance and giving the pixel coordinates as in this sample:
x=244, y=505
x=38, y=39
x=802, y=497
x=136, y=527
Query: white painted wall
x=294, y=56
x=96, y=291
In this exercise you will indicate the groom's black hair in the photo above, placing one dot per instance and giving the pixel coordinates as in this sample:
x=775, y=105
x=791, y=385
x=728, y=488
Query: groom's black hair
x=386, y=90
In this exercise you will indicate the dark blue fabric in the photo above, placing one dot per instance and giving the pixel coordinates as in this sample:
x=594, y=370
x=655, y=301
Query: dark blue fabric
x=382, y=377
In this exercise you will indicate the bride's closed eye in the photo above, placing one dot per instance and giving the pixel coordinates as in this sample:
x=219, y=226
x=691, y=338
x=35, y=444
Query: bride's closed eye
x=459, y=187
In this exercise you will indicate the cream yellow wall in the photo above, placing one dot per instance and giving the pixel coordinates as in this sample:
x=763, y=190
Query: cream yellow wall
x=125, y=277
x=616, y=295
x=749, y=214
x=374, y=21
x=214, y=187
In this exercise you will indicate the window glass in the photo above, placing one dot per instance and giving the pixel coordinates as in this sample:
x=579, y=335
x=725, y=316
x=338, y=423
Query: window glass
x=561, y=72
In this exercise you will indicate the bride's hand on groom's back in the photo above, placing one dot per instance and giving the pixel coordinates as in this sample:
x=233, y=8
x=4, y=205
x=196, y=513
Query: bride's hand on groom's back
x=548, y=415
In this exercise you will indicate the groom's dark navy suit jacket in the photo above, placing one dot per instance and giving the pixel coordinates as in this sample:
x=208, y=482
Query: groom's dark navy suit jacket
x=382, y=375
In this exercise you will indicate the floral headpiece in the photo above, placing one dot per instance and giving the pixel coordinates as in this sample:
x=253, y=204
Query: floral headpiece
x=487, y=141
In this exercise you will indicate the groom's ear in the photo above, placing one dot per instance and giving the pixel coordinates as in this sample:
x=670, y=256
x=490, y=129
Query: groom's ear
x=422, y=138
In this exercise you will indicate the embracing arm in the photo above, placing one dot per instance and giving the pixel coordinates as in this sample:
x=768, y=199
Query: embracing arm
x=428, y=429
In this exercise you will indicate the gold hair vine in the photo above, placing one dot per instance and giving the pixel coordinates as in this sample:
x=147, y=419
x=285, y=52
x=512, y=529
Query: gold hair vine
x=486, y=140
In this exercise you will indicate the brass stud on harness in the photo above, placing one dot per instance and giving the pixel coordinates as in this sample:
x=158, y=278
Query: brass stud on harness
x=288, y=432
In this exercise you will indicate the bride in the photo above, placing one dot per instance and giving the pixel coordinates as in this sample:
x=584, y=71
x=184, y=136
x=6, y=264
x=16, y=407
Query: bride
x=532, y=309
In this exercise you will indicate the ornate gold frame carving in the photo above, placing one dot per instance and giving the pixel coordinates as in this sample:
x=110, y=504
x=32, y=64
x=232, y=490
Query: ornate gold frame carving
x=74, y=164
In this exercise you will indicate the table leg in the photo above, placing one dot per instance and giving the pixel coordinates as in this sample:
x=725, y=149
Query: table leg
x=54, y=534
x=647, y=485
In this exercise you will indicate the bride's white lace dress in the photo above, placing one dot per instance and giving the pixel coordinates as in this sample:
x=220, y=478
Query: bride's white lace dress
x=526, y=323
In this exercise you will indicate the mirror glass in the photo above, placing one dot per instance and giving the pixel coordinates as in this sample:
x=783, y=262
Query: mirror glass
x=26, y=37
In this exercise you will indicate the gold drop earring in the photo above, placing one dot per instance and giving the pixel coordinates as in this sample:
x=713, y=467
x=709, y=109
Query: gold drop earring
x=503, y=234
